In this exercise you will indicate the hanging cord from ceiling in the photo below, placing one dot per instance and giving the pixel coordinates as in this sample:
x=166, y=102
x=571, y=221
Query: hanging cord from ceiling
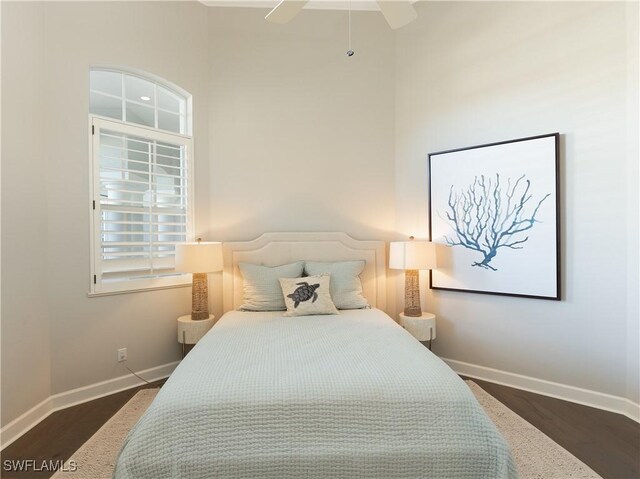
x=350, y=51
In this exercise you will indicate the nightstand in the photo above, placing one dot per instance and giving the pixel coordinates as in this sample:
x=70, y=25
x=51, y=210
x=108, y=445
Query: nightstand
x=423, y=328
x=190, y=331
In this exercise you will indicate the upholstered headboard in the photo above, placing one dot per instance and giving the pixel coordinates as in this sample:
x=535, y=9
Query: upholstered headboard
x=272, y=249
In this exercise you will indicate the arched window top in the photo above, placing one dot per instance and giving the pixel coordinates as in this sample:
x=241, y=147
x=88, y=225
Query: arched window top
x=139, y=99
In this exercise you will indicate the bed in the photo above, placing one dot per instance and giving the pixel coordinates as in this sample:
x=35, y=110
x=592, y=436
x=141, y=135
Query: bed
x=351, y=395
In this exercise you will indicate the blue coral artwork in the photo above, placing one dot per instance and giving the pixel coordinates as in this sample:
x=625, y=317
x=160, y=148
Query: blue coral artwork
x=493, y=211
x=487, y=215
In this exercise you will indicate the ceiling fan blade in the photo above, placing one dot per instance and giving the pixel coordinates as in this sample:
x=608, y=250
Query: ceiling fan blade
x=397, y=13
x=285, y=11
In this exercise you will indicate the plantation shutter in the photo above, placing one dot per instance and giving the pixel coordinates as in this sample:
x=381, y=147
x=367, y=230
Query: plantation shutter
x=142, y=203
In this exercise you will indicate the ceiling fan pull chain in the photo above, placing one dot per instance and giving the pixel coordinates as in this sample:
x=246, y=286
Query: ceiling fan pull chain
x=350, y=51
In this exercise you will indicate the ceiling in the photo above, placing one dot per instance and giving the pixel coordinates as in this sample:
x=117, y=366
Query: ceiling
x=312, y=5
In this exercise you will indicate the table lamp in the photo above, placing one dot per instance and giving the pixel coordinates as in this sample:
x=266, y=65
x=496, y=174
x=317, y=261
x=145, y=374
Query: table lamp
x=412, y=256
x=199, y=258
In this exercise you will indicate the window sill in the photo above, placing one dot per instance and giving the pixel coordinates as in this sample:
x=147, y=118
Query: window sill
x=138, y=290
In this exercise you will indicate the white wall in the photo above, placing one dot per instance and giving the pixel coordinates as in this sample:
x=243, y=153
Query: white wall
x=60, y=339
x=293, y=135
x=302, y=136
x=25, y=316
x=169, y=40
x=268, y=161
x=479, y=72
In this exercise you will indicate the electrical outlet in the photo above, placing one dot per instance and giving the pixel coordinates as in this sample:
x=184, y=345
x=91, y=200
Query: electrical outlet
x=122, y=355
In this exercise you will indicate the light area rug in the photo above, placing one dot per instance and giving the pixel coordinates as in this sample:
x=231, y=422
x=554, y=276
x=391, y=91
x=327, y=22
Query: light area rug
x=536, y=455
x=96, y=458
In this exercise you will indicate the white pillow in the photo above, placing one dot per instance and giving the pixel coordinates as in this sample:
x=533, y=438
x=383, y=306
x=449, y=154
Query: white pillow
x=308, y=295
x=261, y=288
x=346, y=287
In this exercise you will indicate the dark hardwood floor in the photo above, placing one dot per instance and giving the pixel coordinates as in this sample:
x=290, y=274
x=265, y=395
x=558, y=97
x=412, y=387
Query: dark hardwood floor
x=62, y=433
x=609, y=443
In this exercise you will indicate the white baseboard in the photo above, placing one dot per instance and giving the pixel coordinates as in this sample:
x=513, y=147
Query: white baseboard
x=23, y=423
x=574, y=394
x=33, y=416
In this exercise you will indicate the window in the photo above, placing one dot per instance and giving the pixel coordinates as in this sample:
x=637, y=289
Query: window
x=134, y=99
x=142, y=171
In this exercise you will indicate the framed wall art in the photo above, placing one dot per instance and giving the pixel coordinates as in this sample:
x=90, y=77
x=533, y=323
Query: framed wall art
x=495, y=210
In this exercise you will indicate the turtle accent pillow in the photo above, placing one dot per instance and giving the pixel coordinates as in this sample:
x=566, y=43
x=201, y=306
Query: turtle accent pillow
x=261, y=290
x=308, y=295
x=346, y=287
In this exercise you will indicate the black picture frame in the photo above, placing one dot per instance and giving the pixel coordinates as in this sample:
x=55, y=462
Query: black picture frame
x=539, y=154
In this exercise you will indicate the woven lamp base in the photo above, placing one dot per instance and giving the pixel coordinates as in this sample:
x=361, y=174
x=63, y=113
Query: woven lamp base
x=412, y=293
x=200, y=297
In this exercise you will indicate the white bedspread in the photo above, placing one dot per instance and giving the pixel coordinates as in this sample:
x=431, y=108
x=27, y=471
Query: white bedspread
x=350, y=396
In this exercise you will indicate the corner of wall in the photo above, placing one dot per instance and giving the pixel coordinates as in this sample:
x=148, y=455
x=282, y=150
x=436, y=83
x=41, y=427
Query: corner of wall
x=26, y=371
x=633, y=226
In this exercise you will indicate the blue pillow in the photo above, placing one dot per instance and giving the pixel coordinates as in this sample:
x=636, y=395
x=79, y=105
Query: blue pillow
x=261, y=285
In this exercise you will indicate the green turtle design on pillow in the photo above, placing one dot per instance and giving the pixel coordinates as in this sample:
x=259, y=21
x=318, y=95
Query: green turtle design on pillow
x=304, y=292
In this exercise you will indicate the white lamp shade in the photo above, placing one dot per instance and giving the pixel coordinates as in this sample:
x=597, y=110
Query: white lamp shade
x=198, y=257
x=412, y=255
